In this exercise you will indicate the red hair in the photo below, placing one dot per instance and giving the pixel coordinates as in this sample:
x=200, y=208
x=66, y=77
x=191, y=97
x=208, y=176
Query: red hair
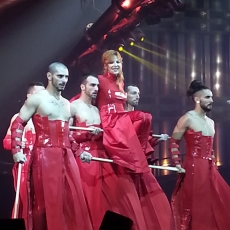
x=105, y=60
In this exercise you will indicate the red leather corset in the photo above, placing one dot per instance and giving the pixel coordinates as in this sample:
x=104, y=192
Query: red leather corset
x=51, y=133
x=199, y=145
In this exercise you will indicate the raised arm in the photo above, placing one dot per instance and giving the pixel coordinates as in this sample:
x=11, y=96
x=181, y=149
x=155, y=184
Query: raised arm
x=178, y=132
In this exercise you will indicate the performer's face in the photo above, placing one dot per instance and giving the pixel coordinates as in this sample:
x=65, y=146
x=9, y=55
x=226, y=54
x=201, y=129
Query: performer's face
x=133, y=96
x=114, y=65
x=206, y=100
x=91, y=87
x=60, y=78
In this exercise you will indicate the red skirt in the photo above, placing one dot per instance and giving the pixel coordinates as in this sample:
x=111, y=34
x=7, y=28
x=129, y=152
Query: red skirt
x=201, y=199
x=55, y=191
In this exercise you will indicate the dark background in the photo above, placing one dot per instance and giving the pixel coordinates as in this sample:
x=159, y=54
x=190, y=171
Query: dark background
x=194, y=44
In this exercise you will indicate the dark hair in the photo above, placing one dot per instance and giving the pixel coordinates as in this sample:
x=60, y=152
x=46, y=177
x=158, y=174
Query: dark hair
x=194, y=87
x=85, y=76
x=127, y=87
x=32, y=84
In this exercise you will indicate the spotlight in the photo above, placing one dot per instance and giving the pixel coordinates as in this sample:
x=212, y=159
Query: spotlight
x=131, y=41
x=139, y=35
x=120, y=47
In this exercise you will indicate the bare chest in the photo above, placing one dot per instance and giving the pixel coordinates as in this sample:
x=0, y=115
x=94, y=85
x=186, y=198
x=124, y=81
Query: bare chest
x=55, y=109
x=87, y=114
x=202, y=125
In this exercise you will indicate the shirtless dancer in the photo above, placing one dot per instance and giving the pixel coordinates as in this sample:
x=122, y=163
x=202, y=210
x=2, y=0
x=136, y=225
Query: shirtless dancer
x=27, y=145
x=201, y=196
x=55, y=193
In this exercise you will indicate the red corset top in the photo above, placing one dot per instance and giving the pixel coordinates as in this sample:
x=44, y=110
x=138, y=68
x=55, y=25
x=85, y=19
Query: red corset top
x=198, y=145
x=51, y=133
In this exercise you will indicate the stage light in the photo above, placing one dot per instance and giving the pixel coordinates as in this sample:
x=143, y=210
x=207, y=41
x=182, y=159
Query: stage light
x=120, y=47
x=139, y=35
x=131, y=41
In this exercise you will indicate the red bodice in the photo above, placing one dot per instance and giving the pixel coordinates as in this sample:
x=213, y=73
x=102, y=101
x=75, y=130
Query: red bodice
x=107, y=98
x=198, y=145
x=51, y=133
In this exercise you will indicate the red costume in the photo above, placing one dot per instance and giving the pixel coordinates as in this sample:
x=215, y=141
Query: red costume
x=125, y=139
x=106, y=186
x=201, y=200
x=23, y=201
x=56, y=199
x=152, y=142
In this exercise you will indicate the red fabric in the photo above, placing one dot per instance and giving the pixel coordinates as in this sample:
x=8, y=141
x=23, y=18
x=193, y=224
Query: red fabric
x=125, y=139
x=201, y=199
x=17, y=125
x=107, y=187
x=23, y=201
x=7, y=142
x=56, y=199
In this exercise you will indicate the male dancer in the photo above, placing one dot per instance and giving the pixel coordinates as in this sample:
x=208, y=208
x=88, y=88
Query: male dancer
x=201, y=196
x=55, y=191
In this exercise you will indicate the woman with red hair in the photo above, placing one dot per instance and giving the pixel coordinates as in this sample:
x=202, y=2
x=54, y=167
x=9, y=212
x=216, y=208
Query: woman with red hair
x=125, y=138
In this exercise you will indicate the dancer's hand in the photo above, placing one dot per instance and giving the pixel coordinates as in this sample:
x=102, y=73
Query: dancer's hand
x=95, y=130
x=19, y=158
x=164, y=137
x=86, y=157
x=180, y=169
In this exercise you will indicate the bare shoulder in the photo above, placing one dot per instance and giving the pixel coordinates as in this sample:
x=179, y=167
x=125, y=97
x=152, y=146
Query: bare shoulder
x=35, y=99
x=210, y=120
x=73, y=107
x=185, y=119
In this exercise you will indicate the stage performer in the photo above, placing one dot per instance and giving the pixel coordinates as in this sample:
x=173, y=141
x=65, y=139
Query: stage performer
x=133, y=97
x=56, y=199
x=125, y=138
x=106, y=186
x=201, y=197
x=27, y=146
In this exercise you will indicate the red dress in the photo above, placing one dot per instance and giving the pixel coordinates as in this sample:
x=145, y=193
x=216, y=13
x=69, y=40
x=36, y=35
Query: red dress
x=55, y=192
x=105, y=185
x=23, y=202
x=125, y=138
x=201, y=200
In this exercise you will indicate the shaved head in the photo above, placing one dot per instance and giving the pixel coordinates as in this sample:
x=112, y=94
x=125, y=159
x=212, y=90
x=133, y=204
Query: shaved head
x=55, y=66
